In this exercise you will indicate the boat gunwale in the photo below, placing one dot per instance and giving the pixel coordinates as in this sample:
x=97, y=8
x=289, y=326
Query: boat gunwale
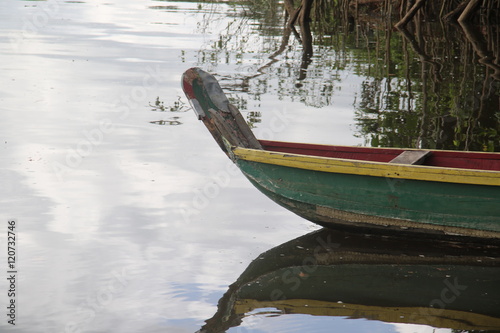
x=370, y=168
x=470, y=154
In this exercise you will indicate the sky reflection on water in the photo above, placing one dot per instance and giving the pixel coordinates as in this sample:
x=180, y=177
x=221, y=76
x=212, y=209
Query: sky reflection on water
x=110, y=233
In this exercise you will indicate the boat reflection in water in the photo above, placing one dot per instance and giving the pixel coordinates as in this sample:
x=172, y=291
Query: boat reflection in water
x=443, y=283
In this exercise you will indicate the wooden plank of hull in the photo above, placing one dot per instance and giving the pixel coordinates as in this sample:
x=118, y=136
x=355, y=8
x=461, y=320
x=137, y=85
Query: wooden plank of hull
x=355, y=200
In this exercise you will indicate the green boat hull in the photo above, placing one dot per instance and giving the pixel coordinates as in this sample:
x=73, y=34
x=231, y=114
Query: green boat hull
x=357, y=200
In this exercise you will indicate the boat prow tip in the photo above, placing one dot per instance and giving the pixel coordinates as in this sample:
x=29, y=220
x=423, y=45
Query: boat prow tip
x=211, y=105
x=203, y=87
x=188, y=83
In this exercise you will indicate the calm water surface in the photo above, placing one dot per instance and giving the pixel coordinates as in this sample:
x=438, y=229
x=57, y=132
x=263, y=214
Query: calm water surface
x=124, y=225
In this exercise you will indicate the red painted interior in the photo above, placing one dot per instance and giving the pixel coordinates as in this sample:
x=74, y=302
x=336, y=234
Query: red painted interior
x=448, y=159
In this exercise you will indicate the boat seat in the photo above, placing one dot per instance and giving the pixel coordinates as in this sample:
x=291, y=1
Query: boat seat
x=413, y=157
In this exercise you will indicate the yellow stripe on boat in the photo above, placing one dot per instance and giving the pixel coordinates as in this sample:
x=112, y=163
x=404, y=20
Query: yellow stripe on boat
x=369, y=168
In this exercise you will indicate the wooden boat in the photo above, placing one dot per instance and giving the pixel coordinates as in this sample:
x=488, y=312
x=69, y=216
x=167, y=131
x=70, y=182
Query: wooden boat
x=443, y=192
x=441, y=283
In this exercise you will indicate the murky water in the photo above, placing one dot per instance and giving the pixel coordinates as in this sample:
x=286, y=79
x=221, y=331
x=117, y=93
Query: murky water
x=128, y=216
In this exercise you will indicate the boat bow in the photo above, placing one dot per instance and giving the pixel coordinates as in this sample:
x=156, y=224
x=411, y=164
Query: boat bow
x=388, y=189
x=223, y=120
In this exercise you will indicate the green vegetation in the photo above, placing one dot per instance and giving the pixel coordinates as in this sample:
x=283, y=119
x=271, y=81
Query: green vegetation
x=429, y=84
x=177, y=106
x=429, y=93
